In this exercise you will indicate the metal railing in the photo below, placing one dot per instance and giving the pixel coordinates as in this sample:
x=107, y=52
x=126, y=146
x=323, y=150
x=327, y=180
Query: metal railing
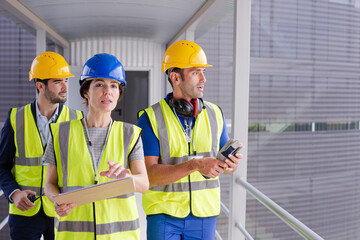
x=238, y=225
x=286, y=217
x=5, y=220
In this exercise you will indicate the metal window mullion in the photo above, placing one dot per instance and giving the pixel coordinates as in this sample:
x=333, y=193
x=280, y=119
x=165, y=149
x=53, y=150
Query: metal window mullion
x=240, y=110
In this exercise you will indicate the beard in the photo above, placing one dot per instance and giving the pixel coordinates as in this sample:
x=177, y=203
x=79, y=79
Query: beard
x=192, y=92
x=54, y=97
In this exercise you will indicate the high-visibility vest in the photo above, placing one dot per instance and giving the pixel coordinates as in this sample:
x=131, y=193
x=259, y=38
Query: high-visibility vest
x=193, y=193
x=29, y=171
x=114, y=218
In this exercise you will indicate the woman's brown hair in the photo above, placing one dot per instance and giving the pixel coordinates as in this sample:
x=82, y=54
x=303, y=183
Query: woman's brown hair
x=84, y=88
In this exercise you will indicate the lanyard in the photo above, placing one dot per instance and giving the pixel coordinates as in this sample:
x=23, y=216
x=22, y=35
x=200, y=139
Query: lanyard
x=187, y=137
x=91, y=149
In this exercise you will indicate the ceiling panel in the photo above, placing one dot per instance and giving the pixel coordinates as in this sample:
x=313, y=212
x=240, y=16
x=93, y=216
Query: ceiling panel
x=158, y=20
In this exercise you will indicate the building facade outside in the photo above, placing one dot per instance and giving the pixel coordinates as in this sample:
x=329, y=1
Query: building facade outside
x=18, y=49
x=304, y=113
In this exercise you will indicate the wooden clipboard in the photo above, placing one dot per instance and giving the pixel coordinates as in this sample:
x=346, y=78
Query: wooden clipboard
x=97, y=192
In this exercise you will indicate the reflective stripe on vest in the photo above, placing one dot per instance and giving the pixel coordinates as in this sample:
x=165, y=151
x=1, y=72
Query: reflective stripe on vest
x=184, y=187
x=101, y=229
x=194, y=189
x=164, y=138
x=115, y=217
x=29, y=171
x=73, y=114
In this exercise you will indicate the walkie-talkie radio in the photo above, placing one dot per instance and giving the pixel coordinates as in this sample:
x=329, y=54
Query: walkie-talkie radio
x=32, y=197
x=231, y=147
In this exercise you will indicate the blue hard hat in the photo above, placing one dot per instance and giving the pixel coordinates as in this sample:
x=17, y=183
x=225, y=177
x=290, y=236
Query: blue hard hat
x=103, y=65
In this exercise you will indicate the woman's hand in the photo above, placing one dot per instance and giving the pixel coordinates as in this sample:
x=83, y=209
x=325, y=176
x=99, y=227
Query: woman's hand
x=115, y=171
x=64, y=209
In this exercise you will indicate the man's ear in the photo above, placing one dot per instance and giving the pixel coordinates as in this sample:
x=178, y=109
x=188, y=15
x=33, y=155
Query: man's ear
x=175, y=78
x=40, y=85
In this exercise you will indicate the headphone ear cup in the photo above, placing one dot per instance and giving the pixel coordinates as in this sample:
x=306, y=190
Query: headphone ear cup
x=200, y=105
x=185, y=108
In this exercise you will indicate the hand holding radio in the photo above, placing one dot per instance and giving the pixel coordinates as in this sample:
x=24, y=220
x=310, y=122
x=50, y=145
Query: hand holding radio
x=231, y=148
x=32, y=197
x=21, y=200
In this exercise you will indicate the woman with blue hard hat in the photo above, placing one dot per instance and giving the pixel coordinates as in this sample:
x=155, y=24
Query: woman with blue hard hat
x=94, y=150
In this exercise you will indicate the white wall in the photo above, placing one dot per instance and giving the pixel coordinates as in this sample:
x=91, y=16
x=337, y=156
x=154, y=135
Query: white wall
x=74, y=100
x=134, y=54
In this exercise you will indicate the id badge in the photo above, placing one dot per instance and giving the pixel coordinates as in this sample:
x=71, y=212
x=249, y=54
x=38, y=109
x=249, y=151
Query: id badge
x=198, y=157
x=195, y=157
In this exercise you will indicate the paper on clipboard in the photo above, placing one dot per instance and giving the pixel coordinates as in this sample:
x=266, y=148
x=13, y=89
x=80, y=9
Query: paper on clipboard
x=97, y=192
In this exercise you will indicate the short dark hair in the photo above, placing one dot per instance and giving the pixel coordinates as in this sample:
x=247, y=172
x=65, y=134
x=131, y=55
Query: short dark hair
x=177, y=70
x=45, y=81
x=85, y=88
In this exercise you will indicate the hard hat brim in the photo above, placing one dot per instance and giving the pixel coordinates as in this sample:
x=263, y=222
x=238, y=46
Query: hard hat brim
x=166, y=66
x=31, y=77
x=86, y=78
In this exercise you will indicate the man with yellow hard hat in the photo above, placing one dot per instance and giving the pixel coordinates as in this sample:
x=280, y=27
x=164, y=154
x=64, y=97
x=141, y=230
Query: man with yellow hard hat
x=23, y=142
x=182, y=135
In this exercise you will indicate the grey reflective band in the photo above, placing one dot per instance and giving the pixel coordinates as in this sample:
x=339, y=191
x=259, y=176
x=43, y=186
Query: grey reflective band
x=72, y=114
x=20, y=139
x=214, y=126
x=101, y=229
x=185, y=187
x=73, y=226
x=35, y=189
x=162, y=133
x=209, y=184
x=114, y=227
x=69, y=189
x=128, y=131
x=64, y=130
x=28, y=161
x=20, y=131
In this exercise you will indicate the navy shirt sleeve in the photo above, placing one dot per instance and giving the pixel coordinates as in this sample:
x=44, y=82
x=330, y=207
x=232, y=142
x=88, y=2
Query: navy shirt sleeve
x=7, y=154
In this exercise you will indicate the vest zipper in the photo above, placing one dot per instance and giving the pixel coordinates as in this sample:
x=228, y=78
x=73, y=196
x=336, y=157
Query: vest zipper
x=41, y=187
x=189, y=147
x=189, y=180
x=94, y=214
x=94, y=221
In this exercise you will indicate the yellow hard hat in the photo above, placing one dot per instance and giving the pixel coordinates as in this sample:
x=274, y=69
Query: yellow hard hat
x=184, y=54
x=49, y=65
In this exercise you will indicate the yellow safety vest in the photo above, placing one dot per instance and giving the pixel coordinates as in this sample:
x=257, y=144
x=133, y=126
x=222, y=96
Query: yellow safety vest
x=193, y=193
x=29, y=171
x=114, y=218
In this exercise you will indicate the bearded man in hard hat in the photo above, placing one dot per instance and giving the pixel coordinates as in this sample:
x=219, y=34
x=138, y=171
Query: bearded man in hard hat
x=23, y=142
x=182, y=135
